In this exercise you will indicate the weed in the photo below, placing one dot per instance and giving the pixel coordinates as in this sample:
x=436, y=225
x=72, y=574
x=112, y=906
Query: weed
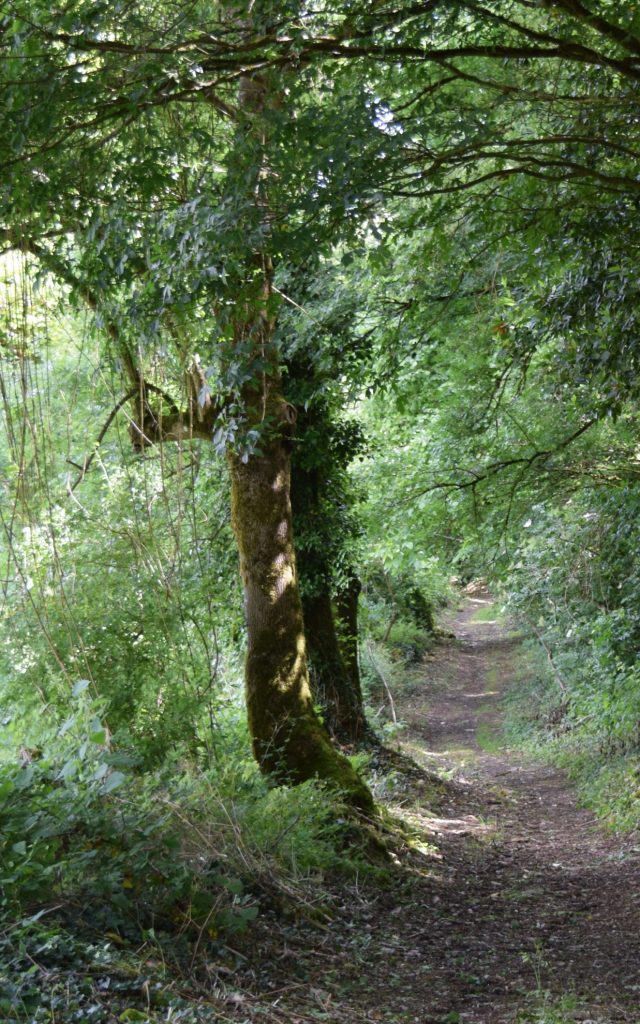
x=488, y=738
x=542, y=1007
x=488, y=613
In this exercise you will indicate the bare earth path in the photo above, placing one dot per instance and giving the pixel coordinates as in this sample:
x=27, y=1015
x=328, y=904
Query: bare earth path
x=523, y=894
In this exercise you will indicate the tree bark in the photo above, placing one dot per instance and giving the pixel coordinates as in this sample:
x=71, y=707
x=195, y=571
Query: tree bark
x=289, y=741
x=346, y=603
x=331, y=678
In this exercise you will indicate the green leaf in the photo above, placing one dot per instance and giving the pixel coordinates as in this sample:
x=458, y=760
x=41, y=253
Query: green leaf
x=248, y=913
x=68, y=770
x=66, y=725
x=115, y=779
x=233, y=885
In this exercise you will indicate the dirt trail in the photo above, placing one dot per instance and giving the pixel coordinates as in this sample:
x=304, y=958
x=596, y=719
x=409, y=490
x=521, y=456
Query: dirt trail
x=524, y=893
x=555, y=901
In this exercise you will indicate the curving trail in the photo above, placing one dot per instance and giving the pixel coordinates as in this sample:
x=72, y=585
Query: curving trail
x=523, y=898
x=546, y=900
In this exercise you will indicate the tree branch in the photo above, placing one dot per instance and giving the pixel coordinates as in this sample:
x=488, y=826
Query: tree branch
x=493, y=468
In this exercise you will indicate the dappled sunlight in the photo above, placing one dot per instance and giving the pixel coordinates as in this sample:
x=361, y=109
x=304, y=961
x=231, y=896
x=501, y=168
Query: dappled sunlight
x=282, y=573
x=424, y=821
x=320, y=512
x=297, y=669
x=521, y=874
x=468, y=825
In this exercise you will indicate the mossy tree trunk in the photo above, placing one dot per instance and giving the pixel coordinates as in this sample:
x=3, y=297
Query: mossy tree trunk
x=289, y=741
x=346, y=605
x=332, y=682
x=323, y=527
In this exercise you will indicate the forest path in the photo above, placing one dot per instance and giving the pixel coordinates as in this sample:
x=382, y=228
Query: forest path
x=523, y=901
x=535, y=897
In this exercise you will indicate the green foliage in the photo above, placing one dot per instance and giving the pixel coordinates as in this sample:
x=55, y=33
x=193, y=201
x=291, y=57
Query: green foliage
x=545, y=1008
x=386, y=676
x=454, y=246
x=78, y=828
x=302, y=831
x=576, y=579
x=399, y=611
x=408, y=642
x=541, y=717
x=128, y=580
x=138, y=621
x=109, y=878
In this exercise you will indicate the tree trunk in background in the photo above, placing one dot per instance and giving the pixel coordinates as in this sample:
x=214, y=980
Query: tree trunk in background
x=331, y=679
x=321, y=544
x=346, y=604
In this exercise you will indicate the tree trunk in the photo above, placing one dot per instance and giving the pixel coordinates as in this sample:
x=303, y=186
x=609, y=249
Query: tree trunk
x=332, y=681
x=346, y=602
x=289, y=741
x=319, y=494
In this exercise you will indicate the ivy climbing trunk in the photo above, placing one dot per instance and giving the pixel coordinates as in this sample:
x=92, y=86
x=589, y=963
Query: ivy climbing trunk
x=323, y=525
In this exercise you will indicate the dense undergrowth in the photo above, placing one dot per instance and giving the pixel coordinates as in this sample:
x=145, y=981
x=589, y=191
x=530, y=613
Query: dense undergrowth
x=458, y=344
x=138, y=841
x=574, y=587
x=128, y=896
x=608, y=783
x=130, y=881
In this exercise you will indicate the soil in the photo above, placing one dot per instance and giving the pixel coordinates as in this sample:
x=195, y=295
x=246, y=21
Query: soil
x=511, y=898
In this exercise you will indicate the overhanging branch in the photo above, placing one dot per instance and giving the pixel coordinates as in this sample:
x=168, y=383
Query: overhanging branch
x=494, y=468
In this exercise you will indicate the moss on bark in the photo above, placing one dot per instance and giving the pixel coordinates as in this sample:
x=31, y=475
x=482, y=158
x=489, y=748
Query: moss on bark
x=346, y=603
x=289, y=741
x=332, y=683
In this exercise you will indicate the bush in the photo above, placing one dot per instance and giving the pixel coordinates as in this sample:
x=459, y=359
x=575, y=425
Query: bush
x=409, y=642
x=576, y=583
x=99, y=862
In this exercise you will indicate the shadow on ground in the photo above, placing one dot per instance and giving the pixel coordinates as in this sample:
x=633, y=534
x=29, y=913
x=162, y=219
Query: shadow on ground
x=513, y=891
